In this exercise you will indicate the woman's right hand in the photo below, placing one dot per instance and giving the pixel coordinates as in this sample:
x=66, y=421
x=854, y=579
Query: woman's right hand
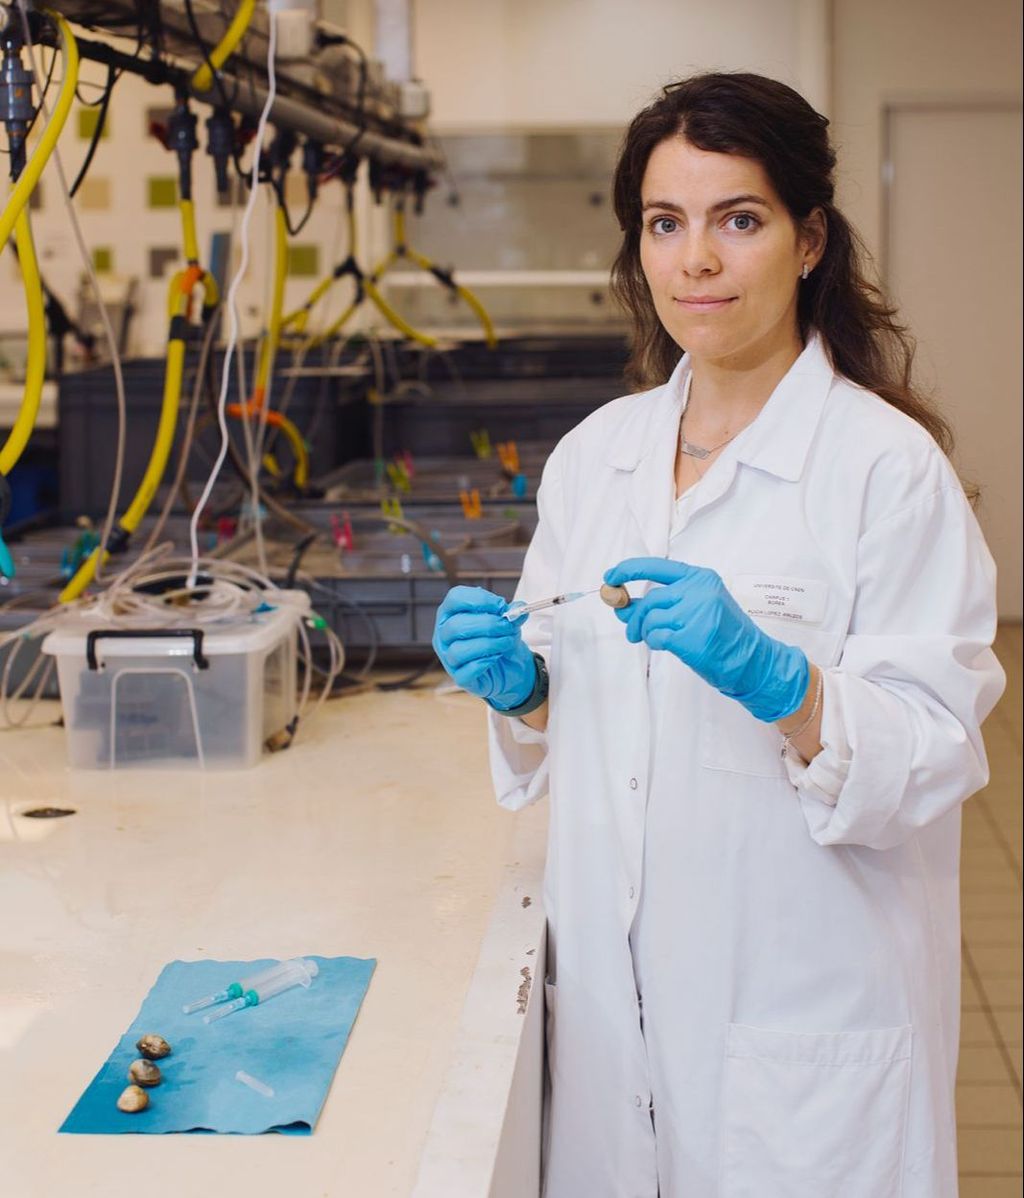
x=481, y=650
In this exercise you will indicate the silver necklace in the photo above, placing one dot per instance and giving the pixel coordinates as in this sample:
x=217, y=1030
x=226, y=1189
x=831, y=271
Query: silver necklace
x=698, y=451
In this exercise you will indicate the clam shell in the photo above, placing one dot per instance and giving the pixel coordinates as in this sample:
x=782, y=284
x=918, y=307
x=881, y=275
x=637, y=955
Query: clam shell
x=144, y=1073
x=133, y=1099
x=153, y=1046
x=617, y=597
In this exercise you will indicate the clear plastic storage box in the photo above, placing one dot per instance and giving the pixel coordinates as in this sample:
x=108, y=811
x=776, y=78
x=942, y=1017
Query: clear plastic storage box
x=207, y=696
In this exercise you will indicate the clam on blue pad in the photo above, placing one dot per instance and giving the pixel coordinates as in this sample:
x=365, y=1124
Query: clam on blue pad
x=292, y=1043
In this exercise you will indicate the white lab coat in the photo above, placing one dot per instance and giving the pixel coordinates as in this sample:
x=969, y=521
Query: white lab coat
x=789, y=933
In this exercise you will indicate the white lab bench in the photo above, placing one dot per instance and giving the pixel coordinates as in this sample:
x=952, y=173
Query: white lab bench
x=376, y=835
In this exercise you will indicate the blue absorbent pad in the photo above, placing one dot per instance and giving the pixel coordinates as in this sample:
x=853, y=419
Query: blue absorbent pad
x=292, y=1042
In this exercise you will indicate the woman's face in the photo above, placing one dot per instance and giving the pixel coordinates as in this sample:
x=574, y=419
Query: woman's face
x=721, y=254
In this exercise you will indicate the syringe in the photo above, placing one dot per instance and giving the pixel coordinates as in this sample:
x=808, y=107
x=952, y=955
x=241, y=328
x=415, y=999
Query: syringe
x=236, y=989
x=521, y=608
x=295, y=973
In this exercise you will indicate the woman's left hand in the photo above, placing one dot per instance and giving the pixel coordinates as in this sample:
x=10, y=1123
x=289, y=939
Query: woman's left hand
x=693, y=616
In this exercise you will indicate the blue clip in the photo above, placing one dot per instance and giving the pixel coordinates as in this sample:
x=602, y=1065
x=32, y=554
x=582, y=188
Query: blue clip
x=6, y=561
x=519, y=486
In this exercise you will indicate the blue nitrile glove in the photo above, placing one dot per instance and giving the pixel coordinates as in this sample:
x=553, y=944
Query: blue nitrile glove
x=694, y=616
x=483, y=652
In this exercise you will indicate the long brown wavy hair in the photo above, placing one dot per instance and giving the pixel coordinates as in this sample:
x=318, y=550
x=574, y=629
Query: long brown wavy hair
x=749, y=115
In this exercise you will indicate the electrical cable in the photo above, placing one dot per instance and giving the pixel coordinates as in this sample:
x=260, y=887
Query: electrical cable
x=67, y=39
x=203, y=79
x=46, y=91
x=97, y=133
x=365, y=288
x=179, y=301
x=232, y=297
x=185, y=449
x=226, y=102
x=156, y=590
x=242, y=469
x=29, y=177
x=35, y=366
x=113, y=75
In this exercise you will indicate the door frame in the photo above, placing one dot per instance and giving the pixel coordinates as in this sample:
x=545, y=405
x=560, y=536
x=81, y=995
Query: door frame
x=890, y=109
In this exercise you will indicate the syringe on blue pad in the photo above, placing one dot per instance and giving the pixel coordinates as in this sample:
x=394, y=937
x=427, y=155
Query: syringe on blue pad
x=256, y=988
x=521, y=608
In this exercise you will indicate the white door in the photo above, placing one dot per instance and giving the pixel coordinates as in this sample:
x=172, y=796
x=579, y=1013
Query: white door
x=953, y=263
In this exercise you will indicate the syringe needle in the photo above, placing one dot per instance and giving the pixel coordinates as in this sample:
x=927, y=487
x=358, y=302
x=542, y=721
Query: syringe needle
x=520, y=608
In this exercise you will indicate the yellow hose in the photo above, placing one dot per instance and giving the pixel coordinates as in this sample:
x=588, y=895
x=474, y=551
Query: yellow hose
x=402, y=250
x=35, y=369
x=393, y=317
x=467, y=297
x=202, y=80
x=268, y=350
x=129, y=522
x=164, y=437
x=189, y=240
x=300, y=316
x=34, y=167
x=335, y=326
x=291, y=432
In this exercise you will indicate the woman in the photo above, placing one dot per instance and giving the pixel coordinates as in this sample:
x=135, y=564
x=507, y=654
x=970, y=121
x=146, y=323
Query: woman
x=756, y=768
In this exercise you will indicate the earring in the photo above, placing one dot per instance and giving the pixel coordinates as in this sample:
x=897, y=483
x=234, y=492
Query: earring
x=805, y=272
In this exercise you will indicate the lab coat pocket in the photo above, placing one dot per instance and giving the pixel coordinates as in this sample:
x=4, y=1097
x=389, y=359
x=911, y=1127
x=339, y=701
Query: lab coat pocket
x=734, y=741
x=805, y=1115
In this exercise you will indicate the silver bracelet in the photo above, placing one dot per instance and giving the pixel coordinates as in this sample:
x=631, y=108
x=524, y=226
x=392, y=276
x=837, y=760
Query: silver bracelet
x=787, y=737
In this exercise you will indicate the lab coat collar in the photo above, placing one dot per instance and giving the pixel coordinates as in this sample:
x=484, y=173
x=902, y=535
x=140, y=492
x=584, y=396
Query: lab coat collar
x=644, y=444
x=778, y=441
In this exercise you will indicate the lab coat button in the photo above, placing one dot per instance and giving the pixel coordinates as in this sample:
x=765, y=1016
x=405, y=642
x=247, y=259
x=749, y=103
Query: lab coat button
x=633, y=784
x=632, y=892
x=638, y=1101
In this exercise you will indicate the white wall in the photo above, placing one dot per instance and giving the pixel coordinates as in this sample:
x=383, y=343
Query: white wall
x=495, y=63
x=909, y=49
x=489, y=64
x=946, y=244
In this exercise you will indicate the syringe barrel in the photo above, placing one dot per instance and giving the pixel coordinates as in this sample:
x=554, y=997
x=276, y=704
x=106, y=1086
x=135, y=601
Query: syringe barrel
x=298, y=973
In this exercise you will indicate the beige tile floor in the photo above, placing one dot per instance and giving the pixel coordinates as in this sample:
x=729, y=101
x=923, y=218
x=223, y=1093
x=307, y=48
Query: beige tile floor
x=989, y=1081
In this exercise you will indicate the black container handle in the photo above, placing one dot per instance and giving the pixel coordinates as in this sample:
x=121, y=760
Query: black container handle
x=132, y=634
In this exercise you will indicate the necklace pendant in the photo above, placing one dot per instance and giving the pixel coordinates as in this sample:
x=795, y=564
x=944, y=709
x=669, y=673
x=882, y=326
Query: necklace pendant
x=693, y=451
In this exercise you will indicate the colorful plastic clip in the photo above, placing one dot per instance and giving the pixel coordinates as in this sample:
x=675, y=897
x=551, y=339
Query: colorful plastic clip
x=406, y=459
x=393, y=509
x=508, y=455
x=481, y=440
x=341, y=533
x=398, y=476
x=472, y=508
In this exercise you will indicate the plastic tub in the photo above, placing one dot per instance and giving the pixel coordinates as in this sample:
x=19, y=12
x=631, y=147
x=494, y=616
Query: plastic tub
x=206, y=696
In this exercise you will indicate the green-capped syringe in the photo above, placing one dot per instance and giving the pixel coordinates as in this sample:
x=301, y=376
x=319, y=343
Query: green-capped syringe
x=293, y=973
x=237, y=989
